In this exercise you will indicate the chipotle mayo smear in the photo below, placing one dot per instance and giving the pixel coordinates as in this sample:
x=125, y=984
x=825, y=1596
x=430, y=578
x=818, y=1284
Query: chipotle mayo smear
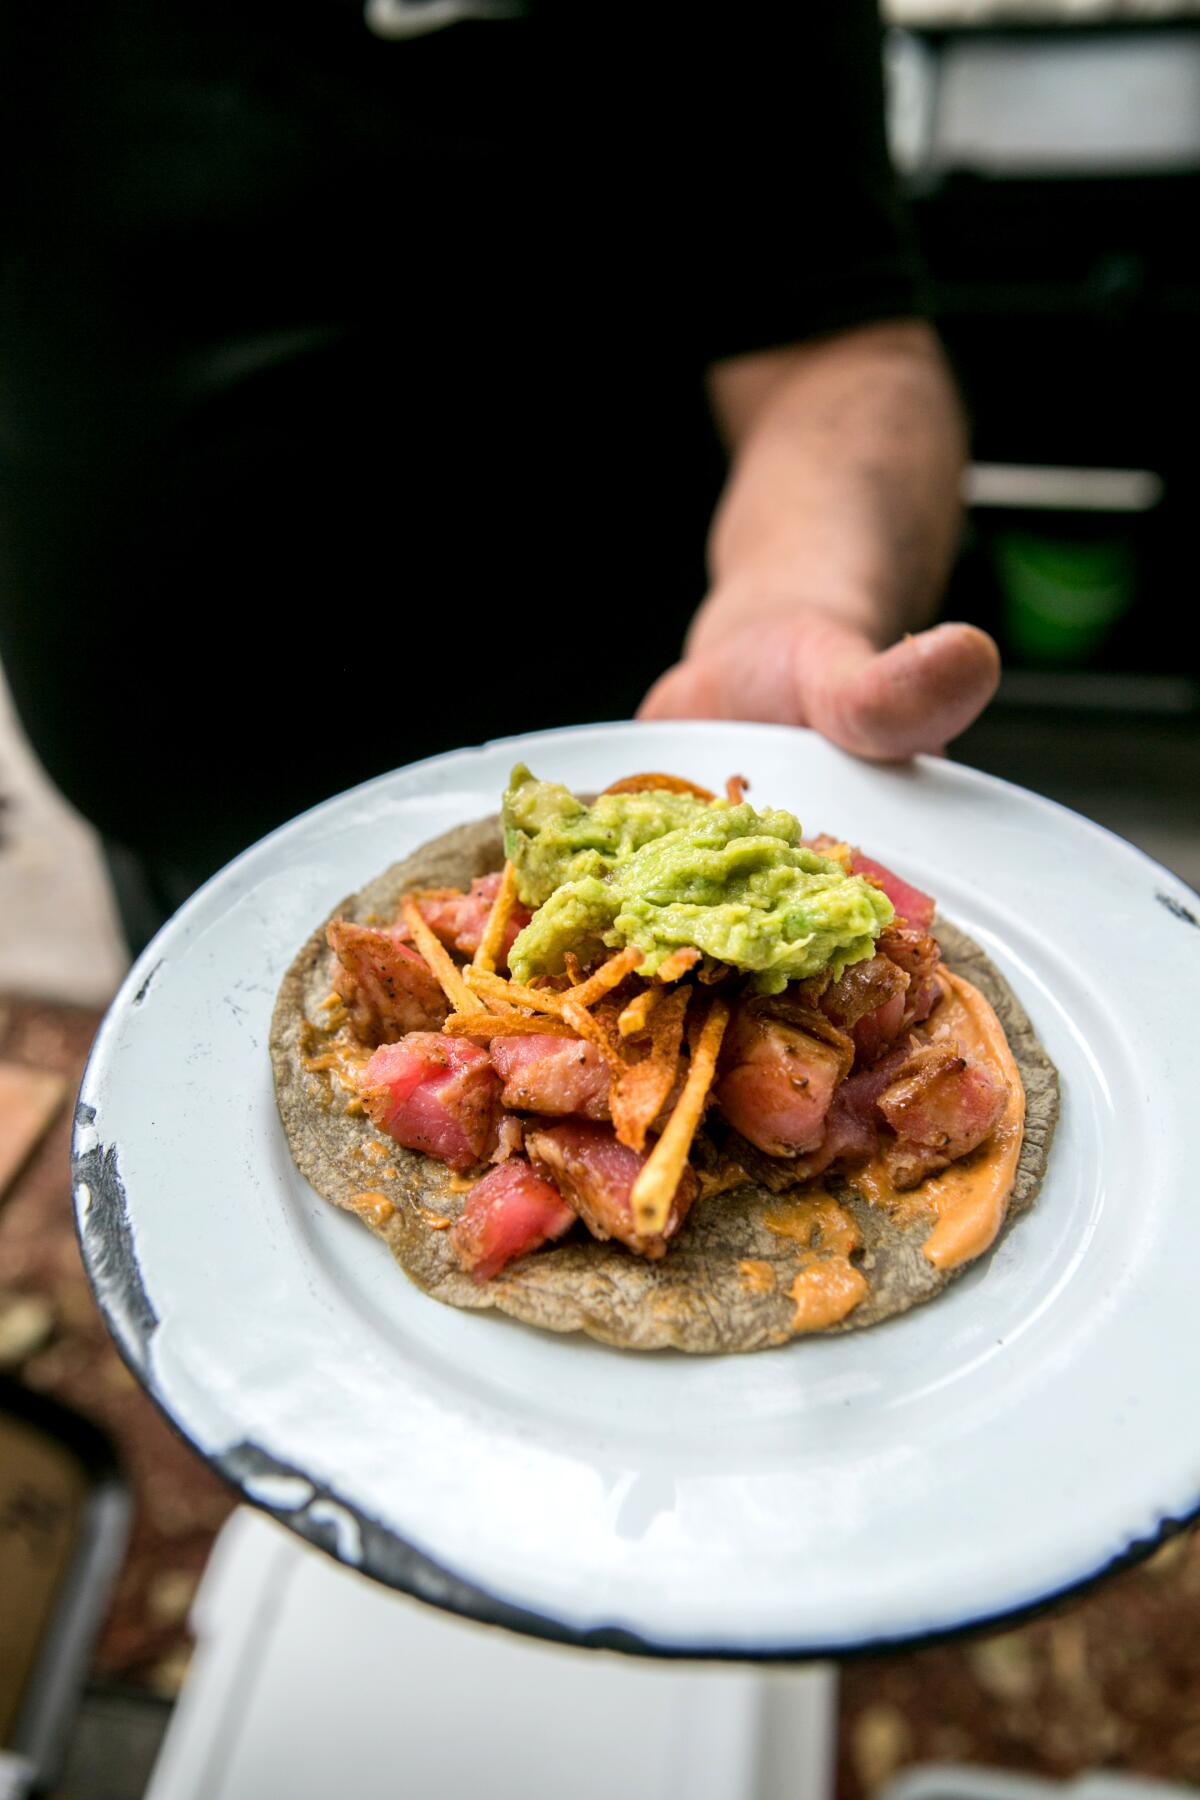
x=828, y=1286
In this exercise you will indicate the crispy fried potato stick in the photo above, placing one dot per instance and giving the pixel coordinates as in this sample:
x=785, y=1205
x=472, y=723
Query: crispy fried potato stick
x=711, y=971
x=609, y=975
x=735, y=789
x=514, y=993
x=510, y=1024
x=655, y=1187
x=497, y=991
x=635, y=1017
x=492, y=941
x=658, y=784
x=643, y=1088
x=678, y=963
x=439, y=960
x=587, y=1027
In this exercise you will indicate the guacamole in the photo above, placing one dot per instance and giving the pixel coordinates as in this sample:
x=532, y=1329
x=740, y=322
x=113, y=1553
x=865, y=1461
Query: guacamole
x=663, y=870
x=553, y=838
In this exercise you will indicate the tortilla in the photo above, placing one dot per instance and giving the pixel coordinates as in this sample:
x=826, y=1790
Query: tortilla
x=726, y=1282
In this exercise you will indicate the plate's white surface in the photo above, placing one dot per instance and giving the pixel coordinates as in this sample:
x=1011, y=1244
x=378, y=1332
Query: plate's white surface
x=974, y=1456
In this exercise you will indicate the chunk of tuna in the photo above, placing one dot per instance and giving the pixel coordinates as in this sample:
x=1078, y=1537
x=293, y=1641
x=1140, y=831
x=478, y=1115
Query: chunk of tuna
x=776, y=1082
x=911, y=905
x=552, y=1075
x=434, y=1093
x=387, y=988
x=595, y=1175
x=460, y=919
x=941, y=1106
x=509, y=1213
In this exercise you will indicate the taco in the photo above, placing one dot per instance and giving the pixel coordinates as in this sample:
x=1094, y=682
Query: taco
x=656, y=1068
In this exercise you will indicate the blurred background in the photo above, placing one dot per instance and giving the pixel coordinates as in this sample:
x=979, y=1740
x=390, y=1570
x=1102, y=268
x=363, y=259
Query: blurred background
x=1050, y=152
x=1051, y=169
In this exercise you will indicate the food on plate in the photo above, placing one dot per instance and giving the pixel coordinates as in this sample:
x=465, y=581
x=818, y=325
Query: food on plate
x=657, y=1067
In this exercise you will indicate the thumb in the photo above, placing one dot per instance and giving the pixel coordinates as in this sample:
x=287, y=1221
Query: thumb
x=915, y=696
x=810, y=669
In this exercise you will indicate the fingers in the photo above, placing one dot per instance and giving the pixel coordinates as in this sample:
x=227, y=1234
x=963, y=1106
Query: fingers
x=687, y=691
x=811, y=670
x=764, y=671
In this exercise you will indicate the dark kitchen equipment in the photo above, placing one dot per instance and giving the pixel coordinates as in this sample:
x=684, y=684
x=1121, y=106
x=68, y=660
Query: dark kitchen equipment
x=1054, y=178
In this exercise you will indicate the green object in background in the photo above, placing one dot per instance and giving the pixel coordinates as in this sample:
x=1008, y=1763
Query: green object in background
x=1062, y=595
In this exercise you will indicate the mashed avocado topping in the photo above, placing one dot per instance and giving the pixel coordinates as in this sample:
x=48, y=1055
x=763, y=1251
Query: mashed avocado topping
x=663, y=871
x=554, y=838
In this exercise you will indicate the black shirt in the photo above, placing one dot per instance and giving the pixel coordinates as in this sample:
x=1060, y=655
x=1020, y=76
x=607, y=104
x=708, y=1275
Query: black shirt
x=351, y=390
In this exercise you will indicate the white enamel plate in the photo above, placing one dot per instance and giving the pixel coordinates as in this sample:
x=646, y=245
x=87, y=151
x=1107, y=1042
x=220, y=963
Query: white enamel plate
x=981, y=1454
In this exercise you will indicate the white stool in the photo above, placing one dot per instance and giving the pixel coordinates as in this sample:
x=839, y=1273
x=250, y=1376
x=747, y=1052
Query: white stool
x=311, y=1683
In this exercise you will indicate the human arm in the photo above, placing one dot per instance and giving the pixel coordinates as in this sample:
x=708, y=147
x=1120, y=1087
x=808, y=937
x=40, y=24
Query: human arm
x=833, y=538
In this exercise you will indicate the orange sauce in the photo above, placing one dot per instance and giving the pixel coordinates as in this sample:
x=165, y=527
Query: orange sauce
x=969, y=1199
x=758, y=1277
x=815, y=1215
x=729, y=1175
x=827, y=1286
x=824, y=1292
x=875, y=1185
x=343, y=1057
x=377, y=1205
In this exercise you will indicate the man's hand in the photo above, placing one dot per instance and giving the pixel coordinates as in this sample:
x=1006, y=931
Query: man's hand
x=809, y=668
x=832, y=539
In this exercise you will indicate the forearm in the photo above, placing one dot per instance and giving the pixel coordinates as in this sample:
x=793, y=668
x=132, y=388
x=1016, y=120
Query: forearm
x=834, y=537
x=843, y=491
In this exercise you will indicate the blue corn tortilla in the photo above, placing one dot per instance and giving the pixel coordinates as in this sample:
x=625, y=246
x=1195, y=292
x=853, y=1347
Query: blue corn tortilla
x=696, y=1298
